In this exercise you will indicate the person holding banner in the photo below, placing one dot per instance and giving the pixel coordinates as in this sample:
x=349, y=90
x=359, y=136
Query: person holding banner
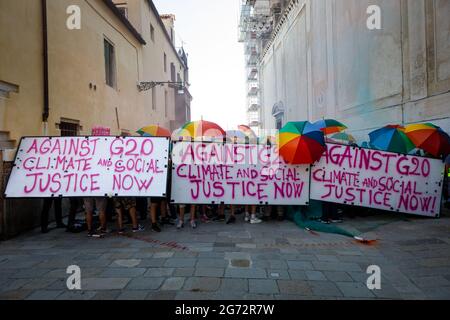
x=251, y=217
x=153, y=208
x=100, y=204
x=129, y=204
x=180, y=223
x=58, y=213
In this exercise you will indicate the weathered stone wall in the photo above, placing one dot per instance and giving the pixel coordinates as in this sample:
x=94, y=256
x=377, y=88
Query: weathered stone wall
x=324, y=62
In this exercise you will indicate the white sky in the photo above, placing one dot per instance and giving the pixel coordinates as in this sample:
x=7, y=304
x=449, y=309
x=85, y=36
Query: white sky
x=209, y=31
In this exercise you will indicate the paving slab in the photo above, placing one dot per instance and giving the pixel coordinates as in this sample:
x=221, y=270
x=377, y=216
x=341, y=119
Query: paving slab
x=263, y=286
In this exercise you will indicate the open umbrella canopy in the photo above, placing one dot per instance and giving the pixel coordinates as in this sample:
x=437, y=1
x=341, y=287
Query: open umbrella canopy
x=202, y=128
x=391, y=138
x=181, y=134
x=154, y=131
x=329, y=126
x=429, y=138
x=301, y=143
x=247, y=131
x=342, y=137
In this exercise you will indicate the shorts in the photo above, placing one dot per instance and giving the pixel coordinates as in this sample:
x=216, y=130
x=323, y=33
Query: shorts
x=124, y=203
x=99, y=203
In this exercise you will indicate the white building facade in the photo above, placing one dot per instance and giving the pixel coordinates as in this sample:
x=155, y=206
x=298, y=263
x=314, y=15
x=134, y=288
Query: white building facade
x=323, y=61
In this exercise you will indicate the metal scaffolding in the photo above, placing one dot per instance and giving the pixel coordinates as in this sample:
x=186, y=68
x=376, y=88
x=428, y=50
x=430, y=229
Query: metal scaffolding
x=255, y=26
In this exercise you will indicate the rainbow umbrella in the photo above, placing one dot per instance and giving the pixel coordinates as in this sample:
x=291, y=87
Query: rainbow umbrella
x=342, y=137
x=329, y=126
x=247, y=131
x=181, y=135
x=430, y=138
x=202, y=128
x=391, y=138
x=301, y=143
x=154, y=131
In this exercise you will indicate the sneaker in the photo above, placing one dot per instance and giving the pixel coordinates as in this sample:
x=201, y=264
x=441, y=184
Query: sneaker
x=324, y=221
x=193, y=224
x=121, y=231
x=139, y=228
x=180, y=224
x=103, y=231
x=167, y=220
x=280, y=218
x=336, y=220
x=93, y=234
x=247, y=217
x=155, y=227
x=231, y=219
x=255, y=220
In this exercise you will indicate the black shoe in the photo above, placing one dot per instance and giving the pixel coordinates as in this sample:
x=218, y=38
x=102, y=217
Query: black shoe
x=93, y=234
x=155, y=227
x=167, y=220
x=44, y=230
x=231, y=219
x=280, y=218
x=60, y=226
x=265, y=218
x=219, y=218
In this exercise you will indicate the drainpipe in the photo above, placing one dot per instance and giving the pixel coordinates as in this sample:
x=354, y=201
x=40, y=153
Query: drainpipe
x=45, y=113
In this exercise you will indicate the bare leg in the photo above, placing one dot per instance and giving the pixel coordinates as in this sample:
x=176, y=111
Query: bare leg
x=180, y=223
x=193, y=208
x=163, y=209
x=133, y=216
x=102, y=217
x=89, y=220
x=182, y=211
x=221, y=210
x=153, y=209
x=119, y=218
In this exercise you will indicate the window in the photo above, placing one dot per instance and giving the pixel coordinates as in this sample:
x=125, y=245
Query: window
x=172, y=72
x=110, y=65
x=165, y=62
x=152, y=32
x=69, y=128
x=154, y=98
x=165, y=103
x=279, y=123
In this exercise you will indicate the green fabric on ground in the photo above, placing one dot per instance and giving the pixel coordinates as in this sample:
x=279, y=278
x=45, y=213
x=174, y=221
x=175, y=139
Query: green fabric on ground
x=304, y=218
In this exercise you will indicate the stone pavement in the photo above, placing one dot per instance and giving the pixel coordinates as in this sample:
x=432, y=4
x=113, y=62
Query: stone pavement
x=273, y=260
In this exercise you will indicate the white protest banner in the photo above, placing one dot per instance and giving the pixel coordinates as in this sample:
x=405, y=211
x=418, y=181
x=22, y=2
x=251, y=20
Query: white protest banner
x=378, y=179
x=235, y=174
x=89, y=167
